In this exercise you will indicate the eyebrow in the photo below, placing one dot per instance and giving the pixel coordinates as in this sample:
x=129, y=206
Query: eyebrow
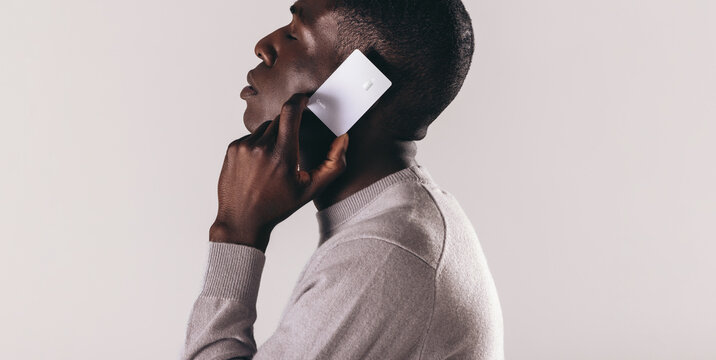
x=294, y=9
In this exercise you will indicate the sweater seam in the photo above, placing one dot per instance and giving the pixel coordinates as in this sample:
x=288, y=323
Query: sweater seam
x=437, y=267
x=323, y=256
x=432, y=311
x=434, y=269
x=318, y=264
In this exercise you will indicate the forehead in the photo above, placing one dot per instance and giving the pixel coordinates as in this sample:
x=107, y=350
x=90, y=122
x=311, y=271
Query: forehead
x=319, y=19
x=313, y=10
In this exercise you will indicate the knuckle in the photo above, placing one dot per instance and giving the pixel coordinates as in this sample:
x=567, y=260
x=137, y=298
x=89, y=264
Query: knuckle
x=258, y=149
x=238, y=149
x=233, y=146
x=236, y=144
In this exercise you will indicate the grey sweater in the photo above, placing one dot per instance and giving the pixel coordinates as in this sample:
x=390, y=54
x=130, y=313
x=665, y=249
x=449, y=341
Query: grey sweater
x=398, y=274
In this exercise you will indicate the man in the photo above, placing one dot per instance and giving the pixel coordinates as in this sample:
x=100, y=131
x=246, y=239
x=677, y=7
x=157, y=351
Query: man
x=398, y=272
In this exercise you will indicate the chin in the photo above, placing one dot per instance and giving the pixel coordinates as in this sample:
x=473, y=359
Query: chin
x=252, y=120
x=311, y=130
x=248, y=125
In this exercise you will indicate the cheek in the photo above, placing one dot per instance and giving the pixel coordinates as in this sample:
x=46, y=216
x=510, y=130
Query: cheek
x=276, y=91
x=299, y=80
x=263, y=106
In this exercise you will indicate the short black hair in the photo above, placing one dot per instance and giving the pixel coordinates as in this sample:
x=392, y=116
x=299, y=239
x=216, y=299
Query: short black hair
x=424, y=46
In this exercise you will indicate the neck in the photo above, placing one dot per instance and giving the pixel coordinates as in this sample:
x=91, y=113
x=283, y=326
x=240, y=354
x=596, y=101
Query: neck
x=367, y=162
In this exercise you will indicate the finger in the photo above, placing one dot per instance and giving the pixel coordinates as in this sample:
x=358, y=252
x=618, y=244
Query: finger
x=287, y=139
x=254, y=136
x=237, y=141
x=317, y=179
x=234, y=145
x=269, y=135
x=231, y=149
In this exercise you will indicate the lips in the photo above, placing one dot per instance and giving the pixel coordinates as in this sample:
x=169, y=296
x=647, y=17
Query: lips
x=249, y=90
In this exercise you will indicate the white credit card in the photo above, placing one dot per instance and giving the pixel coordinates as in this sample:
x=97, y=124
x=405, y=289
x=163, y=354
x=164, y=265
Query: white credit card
x=348, y=93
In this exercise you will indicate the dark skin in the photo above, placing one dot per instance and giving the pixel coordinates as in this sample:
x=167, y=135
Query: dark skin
x=266, y=175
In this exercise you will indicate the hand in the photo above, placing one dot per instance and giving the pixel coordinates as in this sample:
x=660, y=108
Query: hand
x=260, y=184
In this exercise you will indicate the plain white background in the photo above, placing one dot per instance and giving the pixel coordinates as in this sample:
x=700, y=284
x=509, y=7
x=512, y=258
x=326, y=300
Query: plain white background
x=581, y=147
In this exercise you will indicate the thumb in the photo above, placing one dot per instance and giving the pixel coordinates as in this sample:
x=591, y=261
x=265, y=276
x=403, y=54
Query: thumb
x=317, y=179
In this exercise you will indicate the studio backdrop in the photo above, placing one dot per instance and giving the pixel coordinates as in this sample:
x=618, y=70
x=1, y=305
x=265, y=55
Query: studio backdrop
x=581, y=147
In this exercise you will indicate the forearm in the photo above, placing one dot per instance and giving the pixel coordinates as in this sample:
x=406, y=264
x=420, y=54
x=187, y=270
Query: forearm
x=222, y=318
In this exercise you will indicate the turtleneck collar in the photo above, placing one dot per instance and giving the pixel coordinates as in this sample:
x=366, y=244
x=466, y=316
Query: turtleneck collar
x=332, y=217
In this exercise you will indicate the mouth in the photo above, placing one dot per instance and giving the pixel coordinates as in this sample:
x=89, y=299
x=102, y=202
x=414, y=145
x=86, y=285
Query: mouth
x=250, y=90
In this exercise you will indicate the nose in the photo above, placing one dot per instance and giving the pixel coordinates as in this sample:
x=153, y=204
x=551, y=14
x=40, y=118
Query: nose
x=266, y=48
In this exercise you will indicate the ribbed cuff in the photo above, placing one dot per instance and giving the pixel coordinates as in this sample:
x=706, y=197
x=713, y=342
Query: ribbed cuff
x=233, y=272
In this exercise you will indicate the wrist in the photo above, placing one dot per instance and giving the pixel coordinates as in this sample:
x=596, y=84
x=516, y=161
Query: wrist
x=221, y=232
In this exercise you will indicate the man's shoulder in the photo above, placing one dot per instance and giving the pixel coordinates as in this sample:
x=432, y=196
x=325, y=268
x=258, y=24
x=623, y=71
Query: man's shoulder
x=404, y=215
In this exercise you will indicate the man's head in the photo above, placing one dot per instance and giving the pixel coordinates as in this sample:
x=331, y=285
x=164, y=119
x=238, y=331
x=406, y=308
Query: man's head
x=424, y=46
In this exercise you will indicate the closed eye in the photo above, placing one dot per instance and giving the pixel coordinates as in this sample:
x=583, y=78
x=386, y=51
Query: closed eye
x=290, y=37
